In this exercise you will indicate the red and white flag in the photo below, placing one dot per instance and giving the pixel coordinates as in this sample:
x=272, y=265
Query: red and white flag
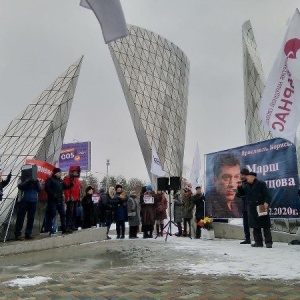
x=280, y=104
x=110, y=16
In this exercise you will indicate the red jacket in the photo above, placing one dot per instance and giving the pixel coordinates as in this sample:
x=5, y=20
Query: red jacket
x=74, y=192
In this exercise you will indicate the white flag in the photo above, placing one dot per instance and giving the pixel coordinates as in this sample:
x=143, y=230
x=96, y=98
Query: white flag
x=110, y=16
x=195, y=171
x=155, y=164
x=280, y=104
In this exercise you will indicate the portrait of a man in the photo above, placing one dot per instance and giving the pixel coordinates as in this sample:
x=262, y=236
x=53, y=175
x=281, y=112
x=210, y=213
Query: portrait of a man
x=221, y=200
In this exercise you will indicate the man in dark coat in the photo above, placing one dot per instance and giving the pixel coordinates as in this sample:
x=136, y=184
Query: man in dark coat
x=120, y=204
x=107, y=210
x=199, y=201
x=54, y=187
x=247, y=240
x=256, y=193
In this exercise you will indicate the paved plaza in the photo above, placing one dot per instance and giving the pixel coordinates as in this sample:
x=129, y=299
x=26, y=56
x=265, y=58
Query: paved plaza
x=149, y=269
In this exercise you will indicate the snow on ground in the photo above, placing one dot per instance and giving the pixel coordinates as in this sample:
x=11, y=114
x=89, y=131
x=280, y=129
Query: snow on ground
x=22, y=282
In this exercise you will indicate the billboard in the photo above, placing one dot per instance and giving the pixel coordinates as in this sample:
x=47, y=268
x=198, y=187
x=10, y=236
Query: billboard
x=78, y=154
x=274, y=161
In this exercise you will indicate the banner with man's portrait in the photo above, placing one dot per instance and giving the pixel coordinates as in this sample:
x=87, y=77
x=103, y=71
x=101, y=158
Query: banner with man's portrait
x=275, y=163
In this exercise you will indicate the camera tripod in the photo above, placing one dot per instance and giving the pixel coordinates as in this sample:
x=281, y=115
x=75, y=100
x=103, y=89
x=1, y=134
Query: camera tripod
x=170, y=222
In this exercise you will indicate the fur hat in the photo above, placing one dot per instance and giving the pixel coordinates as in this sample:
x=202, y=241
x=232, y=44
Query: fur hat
x=118, y=186
x=244, y=171
x=56, y=170
x=252, y=174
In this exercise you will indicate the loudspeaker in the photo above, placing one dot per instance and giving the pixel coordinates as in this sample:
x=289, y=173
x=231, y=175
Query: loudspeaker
x=29, y=171
x=162, y=183
x=175, y=183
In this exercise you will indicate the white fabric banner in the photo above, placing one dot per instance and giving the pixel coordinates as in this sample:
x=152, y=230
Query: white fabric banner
x=110, y=16
x=195, y=171
x=155, y=164
x=280, y=104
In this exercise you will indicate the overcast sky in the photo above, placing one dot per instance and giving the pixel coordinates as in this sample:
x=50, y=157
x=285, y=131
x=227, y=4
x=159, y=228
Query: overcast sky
x=41, y=38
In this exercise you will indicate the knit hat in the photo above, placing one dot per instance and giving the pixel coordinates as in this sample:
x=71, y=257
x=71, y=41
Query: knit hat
x=56, y=170
x=118, y=186
x=149, y=187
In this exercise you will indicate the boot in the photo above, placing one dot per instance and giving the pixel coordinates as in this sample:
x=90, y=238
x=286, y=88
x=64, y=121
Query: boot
x=157, y=229
x=151, y=234
x=161, y=229
x=179, y=233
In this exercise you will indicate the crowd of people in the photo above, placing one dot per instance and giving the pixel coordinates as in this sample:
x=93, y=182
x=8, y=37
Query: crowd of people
x=145, y=212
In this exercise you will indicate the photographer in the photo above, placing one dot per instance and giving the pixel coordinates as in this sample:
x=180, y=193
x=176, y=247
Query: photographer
x=3, y=183
x=72, y=196
x=29, y=189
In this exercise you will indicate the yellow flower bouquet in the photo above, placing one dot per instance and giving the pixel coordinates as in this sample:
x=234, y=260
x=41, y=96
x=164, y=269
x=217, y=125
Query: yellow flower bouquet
x=206, y=223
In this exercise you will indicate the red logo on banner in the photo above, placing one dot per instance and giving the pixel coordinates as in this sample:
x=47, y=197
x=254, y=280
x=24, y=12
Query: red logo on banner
x=44, y=171
x=291, y=48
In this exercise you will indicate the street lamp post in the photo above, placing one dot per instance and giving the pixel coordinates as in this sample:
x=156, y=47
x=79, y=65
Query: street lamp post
x=107, y=164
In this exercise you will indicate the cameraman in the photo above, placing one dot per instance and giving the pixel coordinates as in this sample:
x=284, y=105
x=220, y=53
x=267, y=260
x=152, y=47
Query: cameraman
x=29, y=189
x=72, y=196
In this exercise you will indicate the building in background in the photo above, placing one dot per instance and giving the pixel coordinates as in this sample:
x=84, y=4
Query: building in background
x=154, y=74
x=37, y=133
x=254, y=84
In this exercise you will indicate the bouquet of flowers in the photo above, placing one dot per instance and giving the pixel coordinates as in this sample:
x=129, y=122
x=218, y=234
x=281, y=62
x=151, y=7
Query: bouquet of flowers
x=206, y=223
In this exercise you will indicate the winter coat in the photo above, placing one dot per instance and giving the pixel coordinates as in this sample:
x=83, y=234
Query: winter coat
x=120, y=206
x=199, y=201
x=73, y=193
x=107, y=208
x=148, y=210
x=133, y=210
x=3, y=184
x=161, y=205
x=54, y=187
x=88, y=211
x=256, y=194
x=178, y=204
x=188, y=207
x=29, y=190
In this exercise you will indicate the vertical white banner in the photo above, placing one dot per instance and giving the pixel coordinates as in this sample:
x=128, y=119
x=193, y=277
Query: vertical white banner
x=195, y=171
x=110, y=16
x=280, y=104
x=155, y=164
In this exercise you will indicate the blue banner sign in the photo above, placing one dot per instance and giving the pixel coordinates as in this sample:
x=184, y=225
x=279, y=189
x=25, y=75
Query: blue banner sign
x=274, y=161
